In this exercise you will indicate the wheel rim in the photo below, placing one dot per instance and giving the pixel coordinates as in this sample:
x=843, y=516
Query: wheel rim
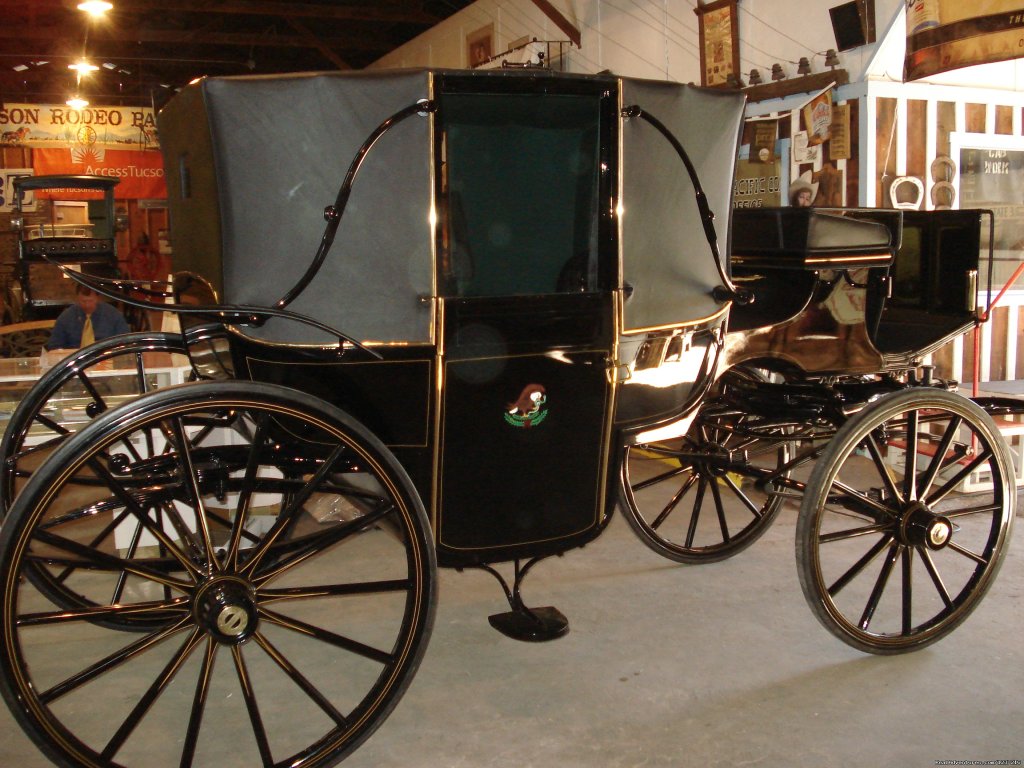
x=317, y=620
x=897, y=546
x=706, y=509
x=85, y=377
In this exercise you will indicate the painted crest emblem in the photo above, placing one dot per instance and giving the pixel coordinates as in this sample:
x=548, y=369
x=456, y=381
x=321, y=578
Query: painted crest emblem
x=528, y=410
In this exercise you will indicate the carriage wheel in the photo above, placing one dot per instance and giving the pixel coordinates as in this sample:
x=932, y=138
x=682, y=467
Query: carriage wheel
x=84, y=378
x=285, y=584
x=905, y=520
x=701, y=511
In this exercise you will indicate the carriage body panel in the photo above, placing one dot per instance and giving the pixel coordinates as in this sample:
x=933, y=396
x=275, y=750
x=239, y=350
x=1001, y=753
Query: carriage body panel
x=518, y=233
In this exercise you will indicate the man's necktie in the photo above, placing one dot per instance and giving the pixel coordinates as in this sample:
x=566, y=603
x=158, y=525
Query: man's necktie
x=88, y=336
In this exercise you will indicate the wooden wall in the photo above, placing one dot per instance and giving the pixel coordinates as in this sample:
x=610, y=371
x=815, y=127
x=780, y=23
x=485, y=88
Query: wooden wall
x=911, y=127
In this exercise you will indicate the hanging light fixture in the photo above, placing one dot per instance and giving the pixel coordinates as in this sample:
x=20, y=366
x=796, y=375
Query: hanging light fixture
x=95, y=7
x=83, y=67
x=76, y=102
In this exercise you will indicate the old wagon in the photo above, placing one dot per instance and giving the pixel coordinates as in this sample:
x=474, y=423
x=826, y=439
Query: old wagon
x=524, y=323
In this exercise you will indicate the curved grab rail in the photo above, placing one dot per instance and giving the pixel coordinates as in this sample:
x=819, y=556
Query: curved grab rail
x=239, y=314
x=228, y=314
x=728, y=290
x=333, y=213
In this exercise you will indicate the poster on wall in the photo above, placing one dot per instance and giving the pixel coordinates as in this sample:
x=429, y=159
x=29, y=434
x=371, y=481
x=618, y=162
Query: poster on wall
x=949, y=34
x=762, y=148
x=56, y=125
x=757, y=185
x=719, y=42
x=480, y=46
x=818, y=118
x=141, y=172
x=993, y=178
x=839, y=147
x=7, y=177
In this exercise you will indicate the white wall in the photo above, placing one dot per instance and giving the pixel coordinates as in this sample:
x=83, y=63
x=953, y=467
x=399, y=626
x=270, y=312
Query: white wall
x=649, y=38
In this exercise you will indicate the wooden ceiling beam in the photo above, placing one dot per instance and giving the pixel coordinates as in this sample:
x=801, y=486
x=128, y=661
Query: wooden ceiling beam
x=366, y=11
x=568, y=28
x=314, y=42
x=139, y=35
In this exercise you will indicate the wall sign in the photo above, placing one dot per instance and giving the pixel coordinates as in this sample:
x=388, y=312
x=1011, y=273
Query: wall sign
x=719, y=42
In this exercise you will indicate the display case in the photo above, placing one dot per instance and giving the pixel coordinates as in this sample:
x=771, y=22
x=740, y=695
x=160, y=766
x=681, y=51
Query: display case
x=78, y=399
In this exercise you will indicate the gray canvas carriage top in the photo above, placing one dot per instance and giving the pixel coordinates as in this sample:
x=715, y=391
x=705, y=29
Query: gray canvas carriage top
x=252, y=162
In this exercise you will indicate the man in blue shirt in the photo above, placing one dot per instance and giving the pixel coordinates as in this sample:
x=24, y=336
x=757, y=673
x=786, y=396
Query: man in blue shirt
x=86, y=321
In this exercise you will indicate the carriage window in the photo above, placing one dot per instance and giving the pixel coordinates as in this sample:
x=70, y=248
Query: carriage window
x=520, y=186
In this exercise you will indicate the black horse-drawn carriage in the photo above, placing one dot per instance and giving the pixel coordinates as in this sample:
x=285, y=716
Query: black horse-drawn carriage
x=525, y=324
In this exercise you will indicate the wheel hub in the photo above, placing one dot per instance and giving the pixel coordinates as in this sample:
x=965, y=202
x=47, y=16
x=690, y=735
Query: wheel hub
x=226, y=608
x=923, y=528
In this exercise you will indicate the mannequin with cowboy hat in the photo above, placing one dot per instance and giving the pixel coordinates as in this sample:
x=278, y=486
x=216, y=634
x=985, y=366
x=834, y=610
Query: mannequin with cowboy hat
x=801, y=193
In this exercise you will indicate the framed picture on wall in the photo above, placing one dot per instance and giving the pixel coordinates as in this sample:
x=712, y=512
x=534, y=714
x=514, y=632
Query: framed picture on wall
x=479, y=46
x=719, y=42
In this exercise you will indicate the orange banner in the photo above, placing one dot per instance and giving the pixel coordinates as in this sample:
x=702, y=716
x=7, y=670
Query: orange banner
x=140, y=172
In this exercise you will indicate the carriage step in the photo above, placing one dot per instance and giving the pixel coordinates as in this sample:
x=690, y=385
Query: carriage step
x=533, y=625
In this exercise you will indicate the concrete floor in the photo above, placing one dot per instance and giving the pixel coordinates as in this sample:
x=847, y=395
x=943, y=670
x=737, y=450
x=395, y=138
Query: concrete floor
x=666, y=665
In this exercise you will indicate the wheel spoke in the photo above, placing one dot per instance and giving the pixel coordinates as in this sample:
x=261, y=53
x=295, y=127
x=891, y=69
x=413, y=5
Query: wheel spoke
x=129, y=501
x=317, y=543
x=326, y=636
x=163, y=608
x=114, y=660
x=933, y=572
x=852, y=533
x=883, y=468
x=191, y=478
x=96, y=560
x=744, y=499
x=334, y=590
x=301, y=681
x=980, y=560
x=245, y=494
x=291, y=512
x=908, y=589
x=859, y=566
x=698, y=502
x=719, y=509
x=674, y=501
x=252, y=707
x=959, y=477
x=674, y=472
x=879, y=588
x=195, y=718
x=910, y=469
x=150, y=696
x=938, y=460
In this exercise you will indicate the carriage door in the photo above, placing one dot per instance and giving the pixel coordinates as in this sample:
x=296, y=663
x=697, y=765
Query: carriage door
x=525, y=260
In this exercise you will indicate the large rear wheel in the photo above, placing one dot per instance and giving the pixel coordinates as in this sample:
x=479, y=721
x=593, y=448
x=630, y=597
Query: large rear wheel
x=270, y=556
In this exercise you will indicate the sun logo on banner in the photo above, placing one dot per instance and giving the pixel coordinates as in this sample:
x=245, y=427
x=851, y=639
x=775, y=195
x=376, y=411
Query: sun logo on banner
x=84, y=149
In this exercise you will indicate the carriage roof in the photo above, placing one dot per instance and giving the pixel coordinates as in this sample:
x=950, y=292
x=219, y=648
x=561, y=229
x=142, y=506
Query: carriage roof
x=252, y=162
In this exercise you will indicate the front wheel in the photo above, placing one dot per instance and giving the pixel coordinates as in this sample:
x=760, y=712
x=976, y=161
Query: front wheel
x=269, y=556
x=905, y=521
